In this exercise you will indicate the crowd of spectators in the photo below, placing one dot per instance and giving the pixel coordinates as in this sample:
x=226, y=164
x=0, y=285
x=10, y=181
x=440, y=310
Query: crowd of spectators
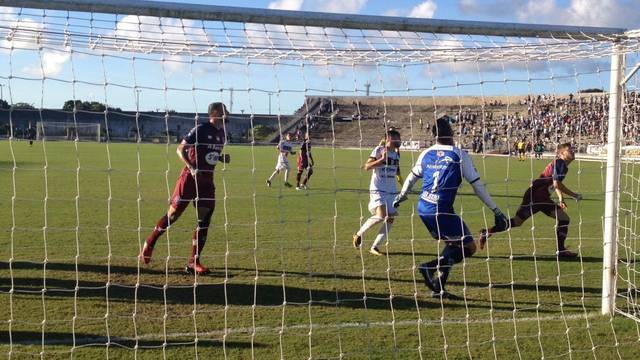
x=549, y=119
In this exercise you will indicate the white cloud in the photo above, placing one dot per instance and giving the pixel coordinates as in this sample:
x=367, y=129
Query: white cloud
x=613, y=13
x=336, y=6
x=286, y=4
x=392, y=12
x=426, y=9
x=52, y=63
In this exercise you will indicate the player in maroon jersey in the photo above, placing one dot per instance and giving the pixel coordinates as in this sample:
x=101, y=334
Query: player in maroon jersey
x=538, y=198
x=200, y=150
x=305, y=162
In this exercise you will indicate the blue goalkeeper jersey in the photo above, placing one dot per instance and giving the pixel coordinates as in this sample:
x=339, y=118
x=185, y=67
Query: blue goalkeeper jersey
x=442, y=168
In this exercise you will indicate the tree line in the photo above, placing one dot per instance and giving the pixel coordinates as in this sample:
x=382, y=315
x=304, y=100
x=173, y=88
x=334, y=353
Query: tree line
x=69, y=105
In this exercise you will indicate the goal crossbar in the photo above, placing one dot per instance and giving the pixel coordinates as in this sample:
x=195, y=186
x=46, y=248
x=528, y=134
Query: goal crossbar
x=321, y=19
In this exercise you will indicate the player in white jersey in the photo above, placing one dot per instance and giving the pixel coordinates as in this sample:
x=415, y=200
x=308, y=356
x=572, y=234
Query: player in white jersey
x=385, y=163
x=284, y=149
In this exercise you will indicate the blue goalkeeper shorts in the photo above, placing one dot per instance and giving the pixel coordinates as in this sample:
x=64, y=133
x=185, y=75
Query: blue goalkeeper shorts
x=447, y=227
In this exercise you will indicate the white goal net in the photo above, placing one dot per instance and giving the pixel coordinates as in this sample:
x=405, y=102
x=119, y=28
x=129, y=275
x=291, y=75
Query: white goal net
x=67, y=131
x=132, y=78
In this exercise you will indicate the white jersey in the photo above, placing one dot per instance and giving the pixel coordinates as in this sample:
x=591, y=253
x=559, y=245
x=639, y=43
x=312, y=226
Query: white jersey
x=383, y=179
x=285, y=148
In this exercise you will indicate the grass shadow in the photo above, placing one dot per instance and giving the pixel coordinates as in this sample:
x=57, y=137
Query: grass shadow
x=20, y=337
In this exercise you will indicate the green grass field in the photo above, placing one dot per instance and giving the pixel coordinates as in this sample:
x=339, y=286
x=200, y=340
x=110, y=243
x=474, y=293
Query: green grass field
x=286, y=281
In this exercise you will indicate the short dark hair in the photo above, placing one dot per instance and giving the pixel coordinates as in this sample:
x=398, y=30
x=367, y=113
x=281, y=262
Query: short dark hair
x=216, y=106
x=563, y=146
x=393, y=132
x=442, y=128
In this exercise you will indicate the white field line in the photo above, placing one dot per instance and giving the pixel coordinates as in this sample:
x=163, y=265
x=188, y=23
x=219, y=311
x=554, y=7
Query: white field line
x=101, y=340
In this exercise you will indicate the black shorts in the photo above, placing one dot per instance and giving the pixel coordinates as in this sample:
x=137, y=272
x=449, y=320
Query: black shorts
x=535, y=201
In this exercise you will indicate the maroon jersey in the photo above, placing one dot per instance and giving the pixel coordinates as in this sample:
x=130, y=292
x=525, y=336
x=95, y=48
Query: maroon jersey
x=305, y=150
x=556, y=170
x=207, y=141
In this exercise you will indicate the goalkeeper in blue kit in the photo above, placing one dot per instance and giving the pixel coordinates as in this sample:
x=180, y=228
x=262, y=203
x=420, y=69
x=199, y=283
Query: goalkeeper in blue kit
x=441, y=168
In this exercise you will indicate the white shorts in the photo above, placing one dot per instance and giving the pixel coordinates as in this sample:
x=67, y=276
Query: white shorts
x=376, y=200
x=282, y=166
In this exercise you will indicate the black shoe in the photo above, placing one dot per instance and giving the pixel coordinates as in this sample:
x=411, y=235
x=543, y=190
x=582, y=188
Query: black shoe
x=427, y=274
x=356, y=241
x=444, y=295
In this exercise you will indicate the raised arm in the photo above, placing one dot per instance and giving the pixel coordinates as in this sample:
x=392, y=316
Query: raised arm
x=377, y=158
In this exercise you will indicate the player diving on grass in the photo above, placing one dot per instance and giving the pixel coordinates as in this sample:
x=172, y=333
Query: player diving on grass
x=200, y=150
x=384, y=162
x=442, y=168
x=538, y=198
x=284, y=149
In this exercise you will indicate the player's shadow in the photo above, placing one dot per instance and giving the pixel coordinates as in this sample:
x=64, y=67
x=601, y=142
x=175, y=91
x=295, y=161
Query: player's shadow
x=532, y=287
x=21, y=337
x=552, y=258
x=237, y=294
x=94, y=268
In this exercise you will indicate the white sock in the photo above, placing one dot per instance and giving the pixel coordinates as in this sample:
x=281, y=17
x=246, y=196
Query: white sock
x=286, y=175
x=381, y=238
x=368, y=224
x=273, y=175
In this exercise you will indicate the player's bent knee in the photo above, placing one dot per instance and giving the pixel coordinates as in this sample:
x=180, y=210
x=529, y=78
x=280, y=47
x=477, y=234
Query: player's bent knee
x=470, y=249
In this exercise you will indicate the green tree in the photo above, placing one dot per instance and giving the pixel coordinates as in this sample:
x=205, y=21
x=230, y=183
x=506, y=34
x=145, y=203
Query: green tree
x=23, y=105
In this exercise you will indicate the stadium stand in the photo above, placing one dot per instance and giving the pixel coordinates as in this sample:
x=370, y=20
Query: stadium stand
x=491, y=124
x=122, y=126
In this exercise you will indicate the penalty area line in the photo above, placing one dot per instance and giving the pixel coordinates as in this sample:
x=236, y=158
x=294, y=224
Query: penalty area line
x=117, y=340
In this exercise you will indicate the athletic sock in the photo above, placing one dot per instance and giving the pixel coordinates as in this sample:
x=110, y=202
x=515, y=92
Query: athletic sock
x=381, y=238
x=273, y=175
x=450, y=255
x=562, y=229
x=161, y=228
x=368, y=224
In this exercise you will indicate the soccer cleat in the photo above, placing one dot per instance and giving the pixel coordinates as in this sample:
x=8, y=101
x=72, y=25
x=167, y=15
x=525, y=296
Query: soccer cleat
x=304, y=187
x=375, y=251
x=197, y=268
x=567, y=254
x=288, y=185
x=269, y=183
x=298, y=188
x=484, y=236
x=357, y=241
x=444, y=295
x=145, y=255
x=427, y=274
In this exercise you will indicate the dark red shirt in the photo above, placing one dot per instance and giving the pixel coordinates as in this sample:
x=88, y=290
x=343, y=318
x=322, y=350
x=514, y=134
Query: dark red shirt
x=208, y=142
x=305, y=151
x=556, y=170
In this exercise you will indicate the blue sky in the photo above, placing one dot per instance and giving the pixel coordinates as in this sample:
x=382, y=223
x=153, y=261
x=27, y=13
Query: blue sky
x=288, y=84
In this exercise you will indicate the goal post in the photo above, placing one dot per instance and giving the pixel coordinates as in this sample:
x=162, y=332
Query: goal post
x=612, y=192
x=286, y=280
x=52, y=130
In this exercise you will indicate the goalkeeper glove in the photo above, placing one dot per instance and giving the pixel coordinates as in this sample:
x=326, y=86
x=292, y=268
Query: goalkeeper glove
x=400, y=179
x=399, y=198
x=502, y=223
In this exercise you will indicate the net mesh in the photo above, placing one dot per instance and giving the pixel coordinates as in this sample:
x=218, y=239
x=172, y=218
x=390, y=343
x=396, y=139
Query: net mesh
x=285, y=279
